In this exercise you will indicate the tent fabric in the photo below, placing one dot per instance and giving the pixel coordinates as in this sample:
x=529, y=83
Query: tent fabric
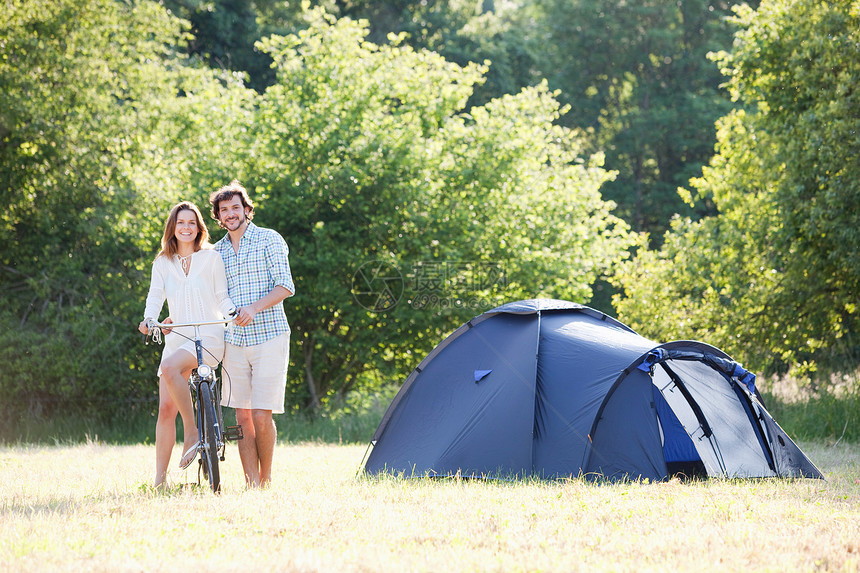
x=553, y=389
x=628, y=443
x=572, y=385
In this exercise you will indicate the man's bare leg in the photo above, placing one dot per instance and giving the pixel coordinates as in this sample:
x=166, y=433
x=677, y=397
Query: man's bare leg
x=267, y=435
x=248, y=447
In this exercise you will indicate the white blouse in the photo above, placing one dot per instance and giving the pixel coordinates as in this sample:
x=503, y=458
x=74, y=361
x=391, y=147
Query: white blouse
x=201, y=295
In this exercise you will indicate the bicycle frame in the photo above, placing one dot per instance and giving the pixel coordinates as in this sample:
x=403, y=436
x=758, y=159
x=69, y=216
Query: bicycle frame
x=212, y=436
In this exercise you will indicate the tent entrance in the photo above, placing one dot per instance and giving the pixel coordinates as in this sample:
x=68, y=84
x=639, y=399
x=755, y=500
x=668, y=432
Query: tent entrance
x=714, y=415
x=679, y=451
x=689, y=444
x=679, y=416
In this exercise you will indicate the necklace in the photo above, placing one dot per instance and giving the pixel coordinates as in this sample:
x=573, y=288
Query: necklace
x=185, y=262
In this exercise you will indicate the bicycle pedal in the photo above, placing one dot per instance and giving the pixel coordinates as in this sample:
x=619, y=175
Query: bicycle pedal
x=233, y=433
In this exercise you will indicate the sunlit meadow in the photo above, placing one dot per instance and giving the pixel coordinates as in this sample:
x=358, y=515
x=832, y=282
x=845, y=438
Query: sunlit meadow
x=89, y=508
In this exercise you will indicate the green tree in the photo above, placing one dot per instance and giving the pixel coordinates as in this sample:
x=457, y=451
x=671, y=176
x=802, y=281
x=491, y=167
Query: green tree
x=364, y=155
x=636, y=75
x=462, y=31
x=223, y=33
x=774, y=277
x=102, y=125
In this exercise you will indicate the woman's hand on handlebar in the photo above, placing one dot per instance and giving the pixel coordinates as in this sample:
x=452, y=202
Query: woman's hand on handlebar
x=143, y=327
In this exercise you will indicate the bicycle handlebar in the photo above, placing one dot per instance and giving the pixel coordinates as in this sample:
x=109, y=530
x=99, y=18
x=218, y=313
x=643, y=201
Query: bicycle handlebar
x=154, y=328
x=171, y=325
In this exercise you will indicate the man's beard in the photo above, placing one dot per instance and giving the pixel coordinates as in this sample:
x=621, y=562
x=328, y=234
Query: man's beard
x=238, y=222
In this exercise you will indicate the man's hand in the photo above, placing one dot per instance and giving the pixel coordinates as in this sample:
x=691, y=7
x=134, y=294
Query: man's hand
x=246, y=315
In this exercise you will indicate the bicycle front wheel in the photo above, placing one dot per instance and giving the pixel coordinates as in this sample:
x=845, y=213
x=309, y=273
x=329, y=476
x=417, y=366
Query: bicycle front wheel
x=210, y=437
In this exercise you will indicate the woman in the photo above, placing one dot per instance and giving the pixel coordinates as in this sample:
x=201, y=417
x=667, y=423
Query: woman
x=190, y=275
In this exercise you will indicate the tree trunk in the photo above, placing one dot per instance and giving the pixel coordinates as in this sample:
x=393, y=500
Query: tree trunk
x=308, y=353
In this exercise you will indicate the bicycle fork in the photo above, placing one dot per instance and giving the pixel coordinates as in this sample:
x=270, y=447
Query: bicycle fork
x=222, y=434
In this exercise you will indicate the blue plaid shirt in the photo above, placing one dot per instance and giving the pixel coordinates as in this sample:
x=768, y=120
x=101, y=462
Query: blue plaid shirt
x=260, y=265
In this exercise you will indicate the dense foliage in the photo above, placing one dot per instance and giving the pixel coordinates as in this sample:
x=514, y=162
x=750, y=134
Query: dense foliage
x=73, y=103
x=637, y=76
x=358, y=153
x=634, y=75
x=425, y=176
x=365, y=156
x=104, y=124
x=774, y=278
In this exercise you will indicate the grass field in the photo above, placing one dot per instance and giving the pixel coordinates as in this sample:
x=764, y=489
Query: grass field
x=89, y=508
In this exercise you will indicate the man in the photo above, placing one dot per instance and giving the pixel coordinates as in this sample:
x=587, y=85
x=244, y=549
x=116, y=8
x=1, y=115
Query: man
x=257, y=346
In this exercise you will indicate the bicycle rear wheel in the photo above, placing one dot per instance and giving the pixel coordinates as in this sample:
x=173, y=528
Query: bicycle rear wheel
x=210, y=437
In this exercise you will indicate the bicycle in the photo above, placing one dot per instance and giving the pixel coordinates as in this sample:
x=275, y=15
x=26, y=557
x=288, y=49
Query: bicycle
x=206, y=398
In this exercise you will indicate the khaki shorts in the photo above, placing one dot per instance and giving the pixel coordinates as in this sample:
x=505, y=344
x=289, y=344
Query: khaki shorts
x=255, y=377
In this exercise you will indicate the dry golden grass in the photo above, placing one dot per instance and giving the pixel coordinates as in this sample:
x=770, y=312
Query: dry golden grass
x=88, y=508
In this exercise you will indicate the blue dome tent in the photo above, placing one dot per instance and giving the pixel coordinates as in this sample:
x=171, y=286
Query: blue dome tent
x=553, y=389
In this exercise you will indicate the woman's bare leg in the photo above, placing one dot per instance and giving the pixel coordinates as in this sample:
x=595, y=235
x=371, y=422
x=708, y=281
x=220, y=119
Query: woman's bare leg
x=175, y=370
x=165, y=433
